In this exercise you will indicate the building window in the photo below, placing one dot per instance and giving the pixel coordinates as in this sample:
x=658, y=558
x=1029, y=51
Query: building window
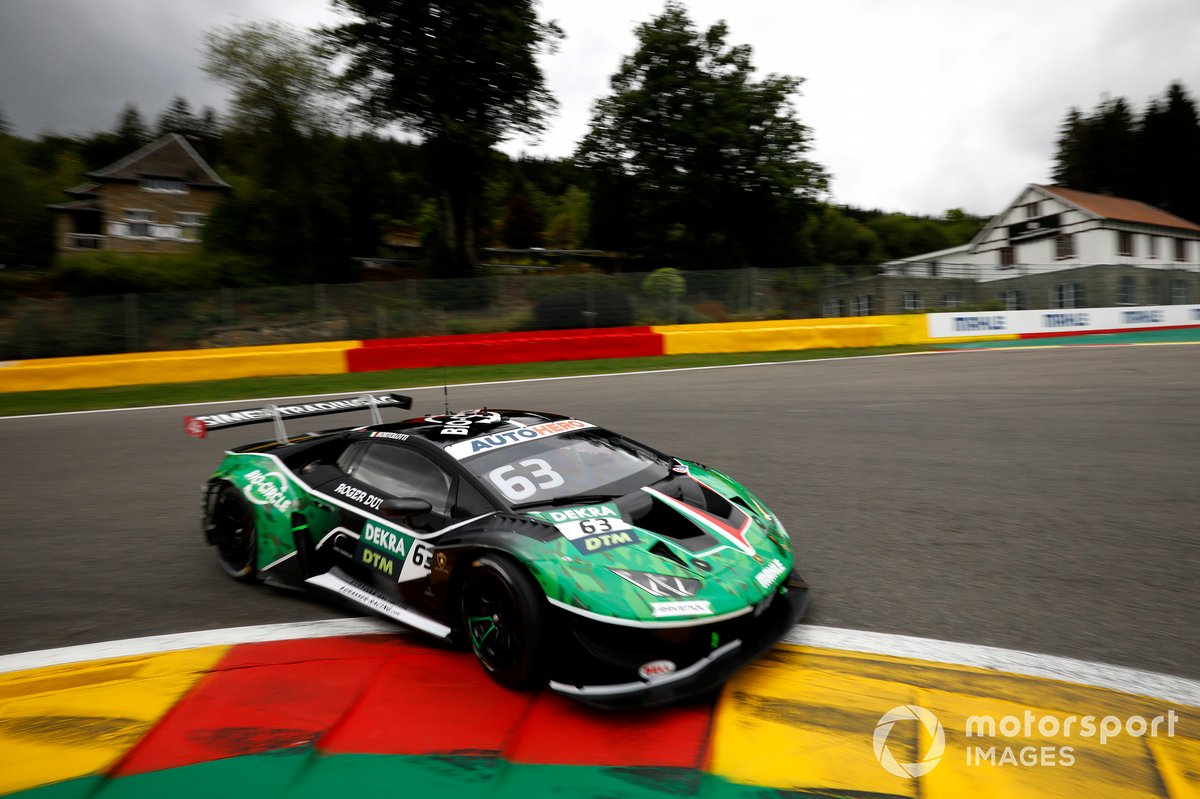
x=1181, y=249
x=1124, y=242
x=1152, y=246
x=189, y=223
x=1179, y=293
x=1007, y=258
x=951, y=300
x=139, y=223
x=1068, y=295
x=168, y=185
x=1033, y=210
x=1014, y=300
x=863, y=305
x=1126, y=291
x=911, y=301
x=834, y=306
x=1064, y=246
x=934, y=268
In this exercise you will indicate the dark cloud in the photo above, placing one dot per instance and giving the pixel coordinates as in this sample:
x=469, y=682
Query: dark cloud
x=70, y=66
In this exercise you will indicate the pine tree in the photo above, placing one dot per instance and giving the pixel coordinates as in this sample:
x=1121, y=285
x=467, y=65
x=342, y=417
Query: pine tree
x=177, y=118
x=131, y=132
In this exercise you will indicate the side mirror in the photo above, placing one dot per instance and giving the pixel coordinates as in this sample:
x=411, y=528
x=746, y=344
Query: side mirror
x=403, y=508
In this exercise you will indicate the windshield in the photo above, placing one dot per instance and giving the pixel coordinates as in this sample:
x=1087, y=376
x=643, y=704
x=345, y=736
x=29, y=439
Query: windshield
x=594, y=464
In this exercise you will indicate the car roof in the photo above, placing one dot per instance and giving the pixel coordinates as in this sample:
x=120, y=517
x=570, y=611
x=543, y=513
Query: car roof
x=445, y=429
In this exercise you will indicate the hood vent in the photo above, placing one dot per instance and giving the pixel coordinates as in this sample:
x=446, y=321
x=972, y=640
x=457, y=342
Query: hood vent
x=664, y=551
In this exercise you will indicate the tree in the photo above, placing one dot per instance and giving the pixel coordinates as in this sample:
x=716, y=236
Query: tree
x=177, y=118
x=5, y=129
x=523, y=224
x=131, y=131
x=463, y=76
x=1171, y=146
x=286, y=210
x=836, y=239
x=692, y=156
x=1154, y=158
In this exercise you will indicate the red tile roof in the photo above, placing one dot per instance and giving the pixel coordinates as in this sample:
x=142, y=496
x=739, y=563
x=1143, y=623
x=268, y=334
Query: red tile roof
x=1119, y=208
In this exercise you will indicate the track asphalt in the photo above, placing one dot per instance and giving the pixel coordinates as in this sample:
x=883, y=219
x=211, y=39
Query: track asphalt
x=1043, y=500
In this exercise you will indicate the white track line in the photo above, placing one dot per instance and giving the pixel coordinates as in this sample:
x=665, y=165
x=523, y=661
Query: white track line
x=1149, y=684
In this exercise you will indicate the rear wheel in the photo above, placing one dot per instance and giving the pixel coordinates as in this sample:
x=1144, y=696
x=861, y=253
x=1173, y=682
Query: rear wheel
x=231, y=529
x=503, y=613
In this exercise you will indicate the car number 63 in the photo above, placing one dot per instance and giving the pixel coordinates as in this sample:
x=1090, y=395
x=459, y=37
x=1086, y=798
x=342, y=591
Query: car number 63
x=518, y=485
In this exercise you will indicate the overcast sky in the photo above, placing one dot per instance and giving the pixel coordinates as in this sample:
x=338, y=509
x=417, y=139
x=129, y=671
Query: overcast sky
x=915, y=105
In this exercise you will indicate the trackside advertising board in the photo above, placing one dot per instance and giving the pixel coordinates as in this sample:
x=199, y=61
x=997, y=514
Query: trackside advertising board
x=1061, y=321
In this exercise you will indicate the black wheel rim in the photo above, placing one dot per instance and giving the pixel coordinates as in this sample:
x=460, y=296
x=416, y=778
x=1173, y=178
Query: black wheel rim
x=490, y=612
x=234, y=528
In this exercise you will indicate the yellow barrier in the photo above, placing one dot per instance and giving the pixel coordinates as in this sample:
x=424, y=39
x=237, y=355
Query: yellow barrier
x=794, y=334
x=184, y=366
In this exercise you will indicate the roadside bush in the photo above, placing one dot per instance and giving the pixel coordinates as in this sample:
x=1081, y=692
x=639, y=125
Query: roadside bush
x=459, y=295
x=85, y=274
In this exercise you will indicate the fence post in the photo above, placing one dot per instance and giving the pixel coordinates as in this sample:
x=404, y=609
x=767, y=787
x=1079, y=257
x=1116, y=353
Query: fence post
x=319, y=301
x=227, y=306
x=132, y=334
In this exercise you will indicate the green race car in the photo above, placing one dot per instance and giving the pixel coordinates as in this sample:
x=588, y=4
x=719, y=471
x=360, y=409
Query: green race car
x=558, y=551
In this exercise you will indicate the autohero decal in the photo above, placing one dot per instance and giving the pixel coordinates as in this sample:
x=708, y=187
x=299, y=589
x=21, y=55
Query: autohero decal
x=465, y=449
x=358, y=495
x=593, y=528
x=269, y=489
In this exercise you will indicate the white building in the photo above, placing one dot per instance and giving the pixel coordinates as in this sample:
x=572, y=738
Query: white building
x=1052, y=247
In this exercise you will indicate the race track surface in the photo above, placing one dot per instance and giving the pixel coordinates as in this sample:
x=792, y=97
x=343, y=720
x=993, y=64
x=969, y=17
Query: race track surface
x=1044, y=499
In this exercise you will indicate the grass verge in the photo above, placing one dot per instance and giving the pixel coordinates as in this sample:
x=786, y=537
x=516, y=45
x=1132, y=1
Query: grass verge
x=24, y=402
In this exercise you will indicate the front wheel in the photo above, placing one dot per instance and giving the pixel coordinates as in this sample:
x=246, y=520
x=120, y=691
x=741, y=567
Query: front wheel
x=230, y=527
x=504, y=613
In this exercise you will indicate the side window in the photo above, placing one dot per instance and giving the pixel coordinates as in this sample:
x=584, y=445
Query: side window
x=400, y=472
x=469, y=503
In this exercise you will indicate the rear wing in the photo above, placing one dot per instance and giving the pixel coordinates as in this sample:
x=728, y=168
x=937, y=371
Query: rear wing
x=199, y=426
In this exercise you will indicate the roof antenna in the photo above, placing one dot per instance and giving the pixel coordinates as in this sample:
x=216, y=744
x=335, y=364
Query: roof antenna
x=445, y=390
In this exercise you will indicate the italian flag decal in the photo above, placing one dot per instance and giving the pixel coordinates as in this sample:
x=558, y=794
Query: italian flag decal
x=709, y=523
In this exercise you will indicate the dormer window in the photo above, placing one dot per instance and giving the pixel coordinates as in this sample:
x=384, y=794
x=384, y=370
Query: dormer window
x=166, y=185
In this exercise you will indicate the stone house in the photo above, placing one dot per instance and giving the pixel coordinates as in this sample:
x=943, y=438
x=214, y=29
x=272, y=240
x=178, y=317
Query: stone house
x=155, y=200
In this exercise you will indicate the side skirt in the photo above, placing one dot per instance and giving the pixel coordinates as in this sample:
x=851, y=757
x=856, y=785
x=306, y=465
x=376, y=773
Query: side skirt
x=376, y=602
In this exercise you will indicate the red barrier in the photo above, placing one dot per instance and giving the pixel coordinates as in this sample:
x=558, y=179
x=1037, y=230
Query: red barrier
x=495, y=348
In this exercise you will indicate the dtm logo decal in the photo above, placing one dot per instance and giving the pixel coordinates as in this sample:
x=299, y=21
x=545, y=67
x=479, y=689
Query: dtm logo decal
x=268, y=488
x=603, y=541
x=376, y=560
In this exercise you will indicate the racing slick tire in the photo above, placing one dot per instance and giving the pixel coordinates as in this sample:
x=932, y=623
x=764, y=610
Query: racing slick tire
x=504, y=616
x=229, y=526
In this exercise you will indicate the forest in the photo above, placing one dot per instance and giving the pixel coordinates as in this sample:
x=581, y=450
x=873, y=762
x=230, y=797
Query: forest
x=692, y=160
